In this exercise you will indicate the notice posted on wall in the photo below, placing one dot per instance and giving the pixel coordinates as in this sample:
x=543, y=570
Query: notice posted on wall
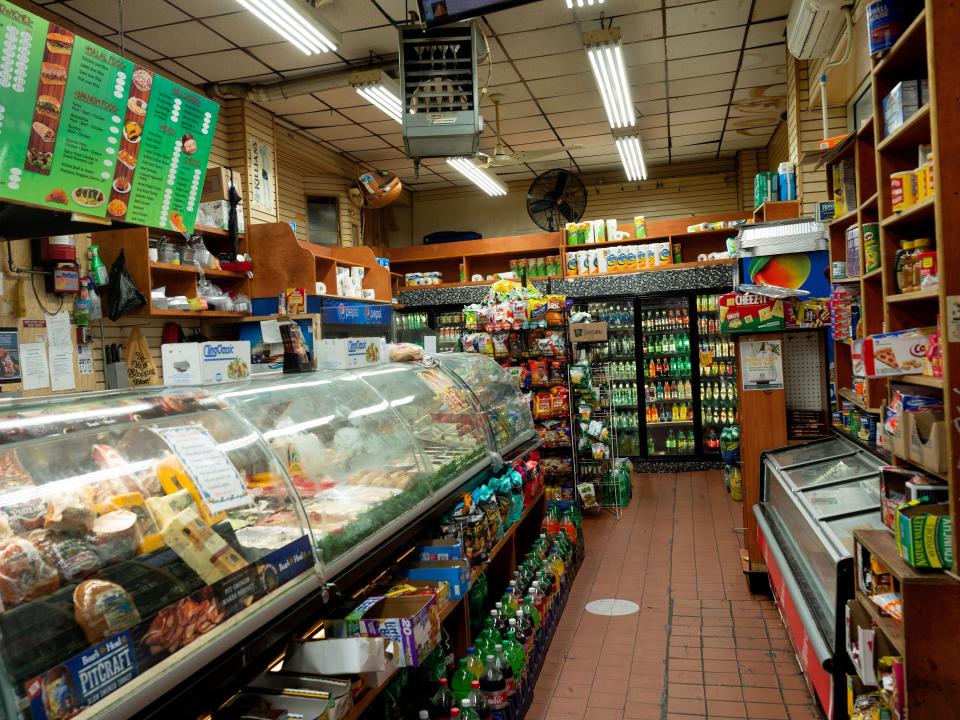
x=762, y=364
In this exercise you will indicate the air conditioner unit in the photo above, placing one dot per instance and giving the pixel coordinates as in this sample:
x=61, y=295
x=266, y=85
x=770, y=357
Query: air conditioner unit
x=814, y=26
x=441, y=98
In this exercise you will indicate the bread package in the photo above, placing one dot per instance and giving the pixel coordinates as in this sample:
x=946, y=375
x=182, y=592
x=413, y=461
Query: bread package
x=24, y=573
x=73, y=557
x=103, y=609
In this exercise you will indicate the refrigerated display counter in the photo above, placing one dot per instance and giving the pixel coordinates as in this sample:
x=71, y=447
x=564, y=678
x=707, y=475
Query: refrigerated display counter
x=812, y=498
x=152, y=540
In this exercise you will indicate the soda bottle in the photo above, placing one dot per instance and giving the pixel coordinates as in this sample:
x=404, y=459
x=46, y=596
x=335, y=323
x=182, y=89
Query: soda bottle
x=442, y=702
x=474, y=663
x=461, y=681
x=478, y=701
x=525, y=633
x=424, y=715
x=454, y=713
x=467, y=711
x=532, y=612
x=539, y=599
x=506, y=669
x=500, y=621
x=517, y=658
x=494, y=688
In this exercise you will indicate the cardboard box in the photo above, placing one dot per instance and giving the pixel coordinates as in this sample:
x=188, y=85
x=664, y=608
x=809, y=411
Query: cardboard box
x=251, y=705
x=347, y=656
x=456, y=573
x=588, y=332
x=339, y=693
x=896, y=438
x=412, y=622
x=447, y=549
x=216, y=214
x=349, y=353
x=208, y=363
x=216, y=183
x=894, y=353
x=902, y=102
x=741, y=313
x=928, y=440
x=924, y=535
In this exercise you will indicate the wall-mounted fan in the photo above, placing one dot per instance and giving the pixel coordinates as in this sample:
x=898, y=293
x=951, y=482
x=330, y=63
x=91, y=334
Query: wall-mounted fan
x=555, y=198
x=501, y=158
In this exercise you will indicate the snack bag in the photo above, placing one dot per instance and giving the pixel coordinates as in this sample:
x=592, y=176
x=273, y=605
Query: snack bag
x=538, y=313
x=538, y=372
x=588, y=495
x=555, y=305
x=561, y=401
x=542, y=405
x=500, y=349
x=579, y=374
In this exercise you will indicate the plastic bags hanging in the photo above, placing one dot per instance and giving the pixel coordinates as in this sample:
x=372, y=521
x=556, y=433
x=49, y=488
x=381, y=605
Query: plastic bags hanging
x=123, y=293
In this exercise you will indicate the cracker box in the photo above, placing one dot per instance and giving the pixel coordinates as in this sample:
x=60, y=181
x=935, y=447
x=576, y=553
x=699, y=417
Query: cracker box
x=894, y=353
x=741, y=313
x=924, y=535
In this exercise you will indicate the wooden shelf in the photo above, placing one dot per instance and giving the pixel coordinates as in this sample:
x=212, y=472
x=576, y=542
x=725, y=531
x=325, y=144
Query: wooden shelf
x=866, y=128
x=848, y=394
x=915, y=131
x=922, y=380
x=841, y=149
x=914, y=464
x=215, y=232
x=890, y=627
x=870, y=202
x=883, y=545
x=922, y=211
x=157, y=312
x=672, y=266
x=846, y=280
x=930, y=294
x=906, y=50
x=844, y=219
x=653, y=238
x=878, y=273
x=170, y=267
x=777, y=210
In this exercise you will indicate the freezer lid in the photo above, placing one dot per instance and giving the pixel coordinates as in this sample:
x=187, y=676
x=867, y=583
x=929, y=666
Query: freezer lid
x=831, y=472
x=838, y=500
x=811, y=452
x=840, y=530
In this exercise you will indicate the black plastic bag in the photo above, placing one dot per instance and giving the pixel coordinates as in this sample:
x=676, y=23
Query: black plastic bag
x=123, y=293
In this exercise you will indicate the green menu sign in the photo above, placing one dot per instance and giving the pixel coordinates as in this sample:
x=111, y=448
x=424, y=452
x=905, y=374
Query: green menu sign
x=85, y=130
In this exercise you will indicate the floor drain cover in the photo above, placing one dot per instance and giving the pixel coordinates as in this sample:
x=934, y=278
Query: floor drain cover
x=612, y=607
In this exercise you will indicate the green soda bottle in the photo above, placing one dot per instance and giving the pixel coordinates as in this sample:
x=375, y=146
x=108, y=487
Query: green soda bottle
x=466, y=710
x=461, y=681
x=530, y=610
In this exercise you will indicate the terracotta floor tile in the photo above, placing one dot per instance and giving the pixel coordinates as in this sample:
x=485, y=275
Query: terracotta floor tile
x=680, y=690
x=724, y=692
x=725, y=654
x=726, y=709
x=685, y=676
x=766, y=711
x=691, y=706
x=614, y=700
x=649, y=681
x=642, y=711
x=722, y=678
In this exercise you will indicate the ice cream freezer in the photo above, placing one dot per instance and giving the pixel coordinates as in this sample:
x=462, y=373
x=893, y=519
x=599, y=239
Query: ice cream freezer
x=812, y=497
x=156, y=543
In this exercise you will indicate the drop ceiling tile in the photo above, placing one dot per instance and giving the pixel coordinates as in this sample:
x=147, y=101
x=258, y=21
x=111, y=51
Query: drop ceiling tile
x=655, y=133
x=705, y=84
x=771, y=9
x=339, y=132
x=358, y=44
x=656, y=155
x=84, y=21
x=226, y=65
x=696, y=67
x=526, y=138
x=686, y=117
x=512, y=92
x=748, y=127
x=551, y=66
x=378, y=155
x=740, y=142
x=597, y=160
x=344, y=97
x=401, y=166
x=712, y=41
x=135, y=48
x=262, y=79
x=699, y=100
x=501, y=73
x=421, y=187
x=761, y=76
x=205, y=8
x=576, y=117
x=283, y=56
x=646, y=74
x=291, y=106
x=574, y=132
x=638, y=26
x=770, y=56
x=760, y=92
x=698, y=139
x=531, y=17
x=586, y=153
x=520, y=125
x=553, y=87
x=648, y=122
x=648, y=92
x=136, y=13
x=658, y=143
x=571, y=103
x=352, y=15
x=707, y=16
x=241, y=28
x=359, y=143
x=695, y=151
x=538, y=145
x=768, y=110
x=176, y=70
x=641, y=53
x=766, y=33
x=396, y=10
x=696, y=128
x=183, y=39
x=650, y=107
x=548, y=41
x=509, y=111
x=364, y=114
x=384, y=127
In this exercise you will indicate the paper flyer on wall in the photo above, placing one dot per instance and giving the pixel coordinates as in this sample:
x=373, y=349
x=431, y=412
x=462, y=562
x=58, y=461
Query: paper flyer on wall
x=762, y=363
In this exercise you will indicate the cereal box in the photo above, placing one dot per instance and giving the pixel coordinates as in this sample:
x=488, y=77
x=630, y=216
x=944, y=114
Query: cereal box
x=750, y=313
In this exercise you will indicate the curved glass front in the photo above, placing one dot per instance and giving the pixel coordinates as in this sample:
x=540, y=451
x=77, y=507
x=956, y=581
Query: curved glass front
x=131, y=525
x=506, y=409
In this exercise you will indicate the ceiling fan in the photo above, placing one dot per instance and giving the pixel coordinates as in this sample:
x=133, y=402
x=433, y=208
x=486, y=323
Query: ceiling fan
x=501, y=158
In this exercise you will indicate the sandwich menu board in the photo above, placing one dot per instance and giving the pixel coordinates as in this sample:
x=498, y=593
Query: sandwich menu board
x=85, y=130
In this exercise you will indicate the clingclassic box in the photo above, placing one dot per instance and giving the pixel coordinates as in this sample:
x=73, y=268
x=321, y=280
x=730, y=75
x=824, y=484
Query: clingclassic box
x=349, y=353
x=208, y=363
x=411, y=621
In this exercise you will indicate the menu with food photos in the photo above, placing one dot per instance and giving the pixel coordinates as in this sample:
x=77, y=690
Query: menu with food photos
x=85, y=130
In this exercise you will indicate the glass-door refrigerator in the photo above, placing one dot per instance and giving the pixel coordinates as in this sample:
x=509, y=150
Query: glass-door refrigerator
x=718, y=375
x=670, y=397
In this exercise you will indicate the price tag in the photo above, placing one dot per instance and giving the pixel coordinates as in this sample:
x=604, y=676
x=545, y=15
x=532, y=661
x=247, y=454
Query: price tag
x=215, y=477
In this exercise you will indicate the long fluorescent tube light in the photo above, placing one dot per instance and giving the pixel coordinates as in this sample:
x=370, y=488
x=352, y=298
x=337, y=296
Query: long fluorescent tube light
x=605, y=52
x=379, y=89
x=301, y=29
x=631, y=155
x=583, y=3
x=482, y=179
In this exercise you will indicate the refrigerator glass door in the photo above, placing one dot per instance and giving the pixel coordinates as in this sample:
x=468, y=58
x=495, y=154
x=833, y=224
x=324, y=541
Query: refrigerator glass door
x=832, y=471
x=856, y=496
x=718, y=375
x=668, y=377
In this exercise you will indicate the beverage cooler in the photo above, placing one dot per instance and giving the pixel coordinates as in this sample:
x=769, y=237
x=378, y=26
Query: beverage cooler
x=445, y=322
x=673, y=374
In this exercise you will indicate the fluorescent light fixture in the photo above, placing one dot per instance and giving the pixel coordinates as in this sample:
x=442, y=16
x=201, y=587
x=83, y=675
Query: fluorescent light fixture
x=605, y=52
x=583, y=3
x=379, y=89
x=295, y=24
x=631, y=155
x=479, y=177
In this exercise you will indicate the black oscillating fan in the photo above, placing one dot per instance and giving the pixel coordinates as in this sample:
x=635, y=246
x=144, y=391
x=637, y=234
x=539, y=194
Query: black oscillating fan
x=555, y=198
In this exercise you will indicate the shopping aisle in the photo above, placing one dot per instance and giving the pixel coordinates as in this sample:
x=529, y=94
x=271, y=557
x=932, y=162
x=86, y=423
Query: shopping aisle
x=700, y=647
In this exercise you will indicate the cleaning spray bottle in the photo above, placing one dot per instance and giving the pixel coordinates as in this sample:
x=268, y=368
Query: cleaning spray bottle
x=98, y=271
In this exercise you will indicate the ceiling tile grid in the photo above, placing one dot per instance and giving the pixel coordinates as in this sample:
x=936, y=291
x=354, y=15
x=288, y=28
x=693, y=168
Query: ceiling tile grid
x=707, y=76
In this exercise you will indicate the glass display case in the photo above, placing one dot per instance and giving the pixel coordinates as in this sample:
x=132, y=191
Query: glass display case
x=812, y=499
x=497, y=395
x=133, y=524
x=145, y=534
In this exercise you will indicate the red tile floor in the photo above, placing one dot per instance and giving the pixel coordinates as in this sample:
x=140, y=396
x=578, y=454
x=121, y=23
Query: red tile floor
x=701, y=646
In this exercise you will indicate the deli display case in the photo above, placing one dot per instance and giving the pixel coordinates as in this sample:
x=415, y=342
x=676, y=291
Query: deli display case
x=152, y=540
x=812, y=498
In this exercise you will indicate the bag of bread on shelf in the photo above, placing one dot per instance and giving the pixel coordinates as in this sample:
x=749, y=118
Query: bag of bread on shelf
x=24, y=573
x=70, y=511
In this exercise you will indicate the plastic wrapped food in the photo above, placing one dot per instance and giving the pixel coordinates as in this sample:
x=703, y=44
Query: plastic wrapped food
x=24, y=573
x=405, y=352
x=74, y=558
x=70, y=512
x=12, y=473
x=116, y=536
x=103, y=609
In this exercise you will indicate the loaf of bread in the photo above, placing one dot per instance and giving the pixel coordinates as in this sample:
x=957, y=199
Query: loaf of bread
x=24, y=573
x=103, y=609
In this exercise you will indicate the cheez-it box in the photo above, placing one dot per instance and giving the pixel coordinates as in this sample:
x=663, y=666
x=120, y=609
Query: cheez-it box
x=741, y=313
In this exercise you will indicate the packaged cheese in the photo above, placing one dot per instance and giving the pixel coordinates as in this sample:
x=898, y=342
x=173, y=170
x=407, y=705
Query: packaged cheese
x=174, y=478
x=201, y=548
x=164, y=509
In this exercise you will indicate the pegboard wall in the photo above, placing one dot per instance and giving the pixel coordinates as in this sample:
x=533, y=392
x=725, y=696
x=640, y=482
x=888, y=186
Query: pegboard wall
x=804, y=371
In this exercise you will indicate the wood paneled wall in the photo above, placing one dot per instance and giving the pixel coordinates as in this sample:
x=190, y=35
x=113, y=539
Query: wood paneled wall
x=778, y=149
x=749, y=163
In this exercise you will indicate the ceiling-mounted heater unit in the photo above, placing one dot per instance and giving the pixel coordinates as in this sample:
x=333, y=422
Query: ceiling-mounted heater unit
x=441, y=100
x=813, y=27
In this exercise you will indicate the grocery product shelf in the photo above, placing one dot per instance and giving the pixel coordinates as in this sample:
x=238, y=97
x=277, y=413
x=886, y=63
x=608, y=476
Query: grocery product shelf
x=890, y=627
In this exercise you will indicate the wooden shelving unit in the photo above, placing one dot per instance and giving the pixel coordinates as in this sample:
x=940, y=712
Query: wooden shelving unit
x=777, y=210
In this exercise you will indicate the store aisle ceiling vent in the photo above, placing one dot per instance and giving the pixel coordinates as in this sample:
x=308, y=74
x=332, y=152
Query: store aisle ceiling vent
x=708, y=78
